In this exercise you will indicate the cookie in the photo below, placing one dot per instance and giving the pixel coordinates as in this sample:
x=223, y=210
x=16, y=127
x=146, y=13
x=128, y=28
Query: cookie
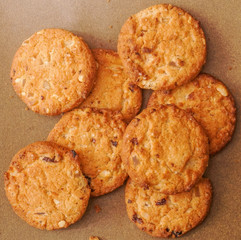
x=163, y=215
x=96, y=135
x=53, y=71
x=162, y=47
x=166, y=149
x=211, y=104
x=113, y=90
x=45, y=186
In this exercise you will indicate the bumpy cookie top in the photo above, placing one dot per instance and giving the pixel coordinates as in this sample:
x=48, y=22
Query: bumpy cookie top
x=211, y=104
x=162, y=47
x=53, y=71
x=165, y=148
x=96, y=135
x=113, y=90
x=46, y=187
x=163, y=215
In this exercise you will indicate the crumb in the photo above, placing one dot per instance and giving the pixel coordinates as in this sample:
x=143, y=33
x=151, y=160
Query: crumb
x=93, y=238
x=11, y=96
x=26, y=108
x=97, y=208
x=108, y=1
x=111, y=26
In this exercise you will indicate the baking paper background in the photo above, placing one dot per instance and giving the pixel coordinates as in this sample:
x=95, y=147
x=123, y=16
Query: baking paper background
x=99, y=22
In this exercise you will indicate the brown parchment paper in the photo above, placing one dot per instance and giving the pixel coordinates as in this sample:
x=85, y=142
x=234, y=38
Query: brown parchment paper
x=99, y=22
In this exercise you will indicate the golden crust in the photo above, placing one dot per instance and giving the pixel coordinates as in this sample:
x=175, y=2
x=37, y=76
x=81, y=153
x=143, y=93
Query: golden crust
x=96, y=135
x=162, y=47
x=45, y=186
x=211, y=104
x=163, y=215
x=165, y=148
x=53, y=71
x=113, y=90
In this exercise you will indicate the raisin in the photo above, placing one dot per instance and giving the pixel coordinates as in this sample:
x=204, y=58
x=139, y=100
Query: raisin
x=136, y=219
x=42, y=97
x=114, y=143
x=161, y=202
x=146, y=50
x=73, y=153
x=131, y=87
x=80, y=71
x=47, y=159
x=14, y=71
x=138, y=54
x=177, y=234
x=129, y=201
x=93, y=140
x=39, y=213
x=167, y=229
x=134, y=141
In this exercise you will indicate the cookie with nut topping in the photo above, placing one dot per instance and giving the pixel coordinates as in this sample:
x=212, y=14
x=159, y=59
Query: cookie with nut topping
x=113, y=89
x=166, y=149
x=45, y=186
x=96, y=136
x=162, y=47
x=211, y=104
x=162, y=215
x=53, y=71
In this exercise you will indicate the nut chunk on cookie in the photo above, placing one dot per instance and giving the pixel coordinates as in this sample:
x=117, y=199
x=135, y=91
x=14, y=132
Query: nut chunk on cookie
x=113, y=89
x=211, y=104
x=163, y=215
x=53, y=71
x=96, y=136
x=162, y=47
x=165, y=148
x=45, y=186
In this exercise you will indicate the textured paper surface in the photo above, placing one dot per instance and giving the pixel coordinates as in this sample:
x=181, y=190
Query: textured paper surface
x=99, y=22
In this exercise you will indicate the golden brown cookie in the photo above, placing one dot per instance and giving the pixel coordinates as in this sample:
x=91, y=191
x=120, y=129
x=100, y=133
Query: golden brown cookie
x=162, y=47
x=45, y=186
x=96, y=135
x=163, y=215
x=210, y=102
x=165, y=148
x=53, y=71
x=113, y=90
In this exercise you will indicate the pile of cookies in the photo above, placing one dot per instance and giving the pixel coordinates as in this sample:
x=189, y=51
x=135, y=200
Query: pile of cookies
x=94, y=148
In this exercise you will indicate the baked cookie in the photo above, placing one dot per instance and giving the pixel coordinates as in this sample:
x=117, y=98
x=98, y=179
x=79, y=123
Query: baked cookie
x=113, y=90
x=163, y=215
x=211, y=104
x=96, y=136
x=165, y=148
x=162, y=47
x=46, y=187
x=53, y=71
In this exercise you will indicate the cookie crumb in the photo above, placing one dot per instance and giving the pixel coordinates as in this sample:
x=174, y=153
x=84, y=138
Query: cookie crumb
x=93, y=238
x=97, y=208
x=26, y=108
x=111, y=26
x=107, y=1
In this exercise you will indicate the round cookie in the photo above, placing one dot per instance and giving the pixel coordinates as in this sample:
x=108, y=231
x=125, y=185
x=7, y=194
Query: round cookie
x=162, y=47
x=163, y=215
x=113, y=90
x=45, y=186
x=211, y=104
x=166, y=149
x=53, y=71
x=96, y=135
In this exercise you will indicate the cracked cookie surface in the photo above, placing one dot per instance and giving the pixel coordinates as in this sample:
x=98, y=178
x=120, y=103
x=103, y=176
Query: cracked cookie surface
x=113, y=89
x=53, y=71
x=46, y=187
x=165, y=148
x=211, y=104
x=163, y=215
x=96, y=135
x=162, y=47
